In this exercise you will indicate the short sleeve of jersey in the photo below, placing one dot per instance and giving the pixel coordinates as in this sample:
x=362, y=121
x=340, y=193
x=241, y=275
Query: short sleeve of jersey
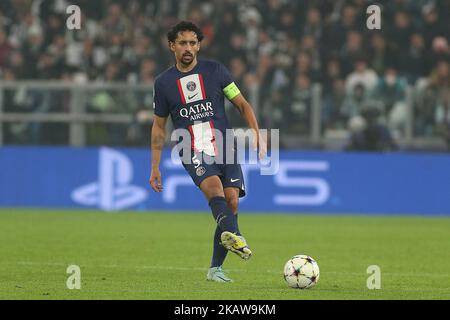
x=226, y=81
x=160, y=105
x=225, y=76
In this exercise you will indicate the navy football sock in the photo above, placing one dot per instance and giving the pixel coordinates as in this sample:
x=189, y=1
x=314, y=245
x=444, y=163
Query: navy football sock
x=223, y=215
x=238, y=232
x=219, y=251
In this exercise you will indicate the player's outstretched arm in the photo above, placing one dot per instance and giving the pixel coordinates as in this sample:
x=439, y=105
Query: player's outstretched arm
x=157, y=140
x=247, y=112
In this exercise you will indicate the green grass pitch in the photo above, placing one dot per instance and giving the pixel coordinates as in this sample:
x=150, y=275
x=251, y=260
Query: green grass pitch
x=165, y=255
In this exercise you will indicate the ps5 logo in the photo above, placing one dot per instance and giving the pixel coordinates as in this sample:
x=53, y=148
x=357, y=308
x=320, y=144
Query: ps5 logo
x=113, y=190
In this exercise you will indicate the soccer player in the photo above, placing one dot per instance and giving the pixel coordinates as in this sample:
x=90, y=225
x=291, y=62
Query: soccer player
x=192, y=92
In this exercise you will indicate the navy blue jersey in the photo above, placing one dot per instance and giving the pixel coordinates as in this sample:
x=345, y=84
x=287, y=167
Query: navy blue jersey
x=195, y=101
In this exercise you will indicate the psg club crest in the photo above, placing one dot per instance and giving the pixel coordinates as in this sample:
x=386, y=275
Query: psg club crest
x=191, y=86
x=200, y=171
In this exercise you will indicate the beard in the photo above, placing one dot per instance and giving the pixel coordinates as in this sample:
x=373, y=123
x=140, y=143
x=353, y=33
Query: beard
x=186, y=60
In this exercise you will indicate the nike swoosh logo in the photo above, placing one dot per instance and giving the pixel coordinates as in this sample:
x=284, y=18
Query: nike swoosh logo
x=220, y=220
x=226, y=280
x=220, y=217
x=234, y=180
x=189, y=97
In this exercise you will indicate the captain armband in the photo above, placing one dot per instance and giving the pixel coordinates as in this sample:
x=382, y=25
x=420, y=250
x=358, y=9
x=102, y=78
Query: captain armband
x=231, y=91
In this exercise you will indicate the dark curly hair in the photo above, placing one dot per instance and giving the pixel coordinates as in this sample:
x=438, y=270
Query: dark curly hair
x=184, y=26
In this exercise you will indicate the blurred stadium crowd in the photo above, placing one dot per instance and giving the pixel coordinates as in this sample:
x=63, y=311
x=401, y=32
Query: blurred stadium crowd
x=275, y=49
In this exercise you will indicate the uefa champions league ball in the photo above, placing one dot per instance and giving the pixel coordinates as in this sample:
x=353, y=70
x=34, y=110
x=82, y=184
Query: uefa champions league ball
x=301, y=272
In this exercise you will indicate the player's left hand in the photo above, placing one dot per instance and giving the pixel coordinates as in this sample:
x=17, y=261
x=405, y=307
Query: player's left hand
x=155, y=180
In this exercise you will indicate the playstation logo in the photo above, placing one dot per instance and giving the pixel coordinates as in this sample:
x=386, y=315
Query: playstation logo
x=113, y=190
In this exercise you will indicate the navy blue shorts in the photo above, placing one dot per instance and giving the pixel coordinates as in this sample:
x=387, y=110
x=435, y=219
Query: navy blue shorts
x=230, y=174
